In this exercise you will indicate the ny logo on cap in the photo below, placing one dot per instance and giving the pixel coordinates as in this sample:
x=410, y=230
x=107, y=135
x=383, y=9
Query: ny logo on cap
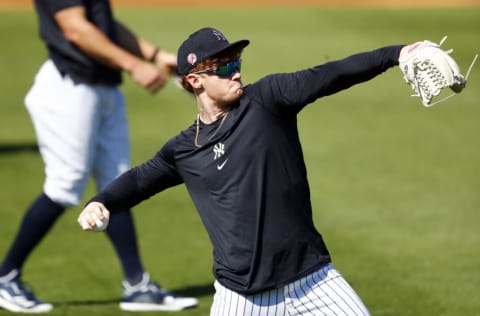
x=219, y=35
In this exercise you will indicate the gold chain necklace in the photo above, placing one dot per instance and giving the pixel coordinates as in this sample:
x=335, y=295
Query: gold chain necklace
x=215, y=133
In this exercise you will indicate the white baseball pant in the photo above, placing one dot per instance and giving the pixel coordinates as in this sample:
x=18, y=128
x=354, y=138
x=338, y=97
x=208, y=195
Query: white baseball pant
x=323, y=292
x=81, y=130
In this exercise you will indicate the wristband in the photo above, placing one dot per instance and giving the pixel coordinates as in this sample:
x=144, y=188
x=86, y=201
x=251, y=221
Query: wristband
x=154, y=55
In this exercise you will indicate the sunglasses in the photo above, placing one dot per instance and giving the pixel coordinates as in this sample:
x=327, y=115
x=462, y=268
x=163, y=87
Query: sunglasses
x=225, y=71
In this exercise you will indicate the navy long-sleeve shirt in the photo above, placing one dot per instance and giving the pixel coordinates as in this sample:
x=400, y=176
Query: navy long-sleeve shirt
x=248, y=180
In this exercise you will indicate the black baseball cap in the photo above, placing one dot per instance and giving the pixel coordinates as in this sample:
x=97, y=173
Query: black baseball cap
x=201, y=45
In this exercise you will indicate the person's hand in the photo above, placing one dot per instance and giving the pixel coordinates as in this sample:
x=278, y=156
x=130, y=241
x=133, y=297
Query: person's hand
x=94, y=217
x=148, y=76
x=166, y=61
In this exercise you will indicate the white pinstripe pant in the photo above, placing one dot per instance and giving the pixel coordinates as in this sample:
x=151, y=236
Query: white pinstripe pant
x=323, y=292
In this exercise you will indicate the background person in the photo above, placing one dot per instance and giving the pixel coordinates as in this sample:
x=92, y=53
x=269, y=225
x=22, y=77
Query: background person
x=79, y=117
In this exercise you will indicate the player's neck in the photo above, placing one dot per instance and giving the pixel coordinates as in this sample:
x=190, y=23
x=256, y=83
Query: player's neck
x=209, y=114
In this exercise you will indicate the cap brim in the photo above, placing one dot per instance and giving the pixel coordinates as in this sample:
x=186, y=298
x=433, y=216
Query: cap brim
x=238, y=45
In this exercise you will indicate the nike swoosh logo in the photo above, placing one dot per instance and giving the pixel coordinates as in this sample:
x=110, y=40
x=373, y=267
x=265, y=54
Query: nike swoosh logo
x=220, y=167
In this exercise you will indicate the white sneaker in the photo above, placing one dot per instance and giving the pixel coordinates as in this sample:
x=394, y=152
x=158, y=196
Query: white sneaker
x=14, y=297
x=148, y=296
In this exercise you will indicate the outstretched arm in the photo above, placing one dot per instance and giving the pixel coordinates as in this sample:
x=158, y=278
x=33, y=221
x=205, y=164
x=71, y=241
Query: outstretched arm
x=295, y=90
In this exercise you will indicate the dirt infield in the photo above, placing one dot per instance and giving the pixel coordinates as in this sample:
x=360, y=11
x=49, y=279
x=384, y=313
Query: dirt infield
x=12, y=4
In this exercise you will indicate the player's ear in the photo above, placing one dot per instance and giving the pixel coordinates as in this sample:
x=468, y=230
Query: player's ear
x=195, y=81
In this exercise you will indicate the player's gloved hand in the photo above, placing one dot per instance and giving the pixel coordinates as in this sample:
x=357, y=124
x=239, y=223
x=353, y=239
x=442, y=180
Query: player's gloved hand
x=429, y=69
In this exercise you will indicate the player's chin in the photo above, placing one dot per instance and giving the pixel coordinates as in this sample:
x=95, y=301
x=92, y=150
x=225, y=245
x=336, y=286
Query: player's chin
x=238, y=90
x=235, y=96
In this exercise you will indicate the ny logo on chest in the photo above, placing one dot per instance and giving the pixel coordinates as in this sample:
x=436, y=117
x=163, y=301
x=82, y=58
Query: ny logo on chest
x=218, y=152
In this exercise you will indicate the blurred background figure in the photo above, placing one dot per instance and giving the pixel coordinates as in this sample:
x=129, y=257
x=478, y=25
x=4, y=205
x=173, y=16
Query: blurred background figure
x=79, y=117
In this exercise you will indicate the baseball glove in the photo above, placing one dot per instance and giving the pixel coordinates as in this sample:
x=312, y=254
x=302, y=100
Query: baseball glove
x=430, y=69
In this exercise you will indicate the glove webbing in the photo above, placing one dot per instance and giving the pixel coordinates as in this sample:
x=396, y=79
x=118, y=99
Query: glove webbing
x=429, y=80
x=437, y=78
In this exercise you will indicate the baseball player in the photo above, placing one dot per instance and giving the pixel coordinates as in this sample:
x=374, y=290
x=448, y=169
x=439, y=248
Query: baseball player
x=79, y=117
x=242, y=164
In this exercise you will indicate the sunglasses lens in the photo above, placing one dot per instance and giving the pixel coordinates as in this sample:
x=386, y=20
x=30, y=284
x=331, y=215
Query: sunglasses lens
x=229, y=69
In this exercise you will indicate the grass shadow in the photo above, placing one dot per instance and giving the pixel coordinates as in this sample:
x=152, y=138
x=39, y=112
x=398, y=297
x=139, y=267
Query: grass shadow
x=193, y=291
x=17, y=148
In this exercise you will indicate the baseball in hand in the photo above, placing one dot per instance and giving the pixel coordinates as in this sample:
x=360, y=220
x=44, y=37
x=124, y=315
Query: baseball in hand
x=100, y=225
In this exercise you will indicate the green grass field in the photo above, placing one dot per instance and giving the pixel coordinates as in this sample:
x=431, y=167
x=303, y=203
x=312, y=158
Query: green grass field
x=395, y=186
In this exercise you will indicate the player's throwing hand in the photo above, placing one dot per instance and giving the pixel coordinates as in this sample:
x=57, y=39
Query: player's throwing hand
x=94, y=217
